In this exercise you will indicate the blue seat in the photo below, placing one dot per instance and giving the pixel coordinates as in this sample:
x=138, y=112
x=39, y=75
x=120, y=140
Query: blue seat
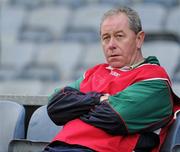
x=176, y=148
x=40, y=127
x=12, y=117
x=40, y=132
x=173, y=137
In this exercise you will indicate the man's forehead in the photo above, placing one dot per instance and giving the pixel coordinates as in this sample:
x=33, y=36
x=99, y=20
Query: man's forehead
x=116, y=18
x=116, y=22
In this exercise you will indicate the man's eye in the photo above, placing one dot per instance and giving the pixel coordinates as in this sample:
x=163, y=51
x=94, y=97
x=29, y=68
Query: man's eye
x=119, y=36
x=105, y=38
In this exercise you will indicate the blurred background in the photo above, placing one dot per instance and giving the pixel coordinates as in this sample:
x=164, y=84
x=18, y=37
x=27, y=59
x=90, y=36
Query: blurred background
x=46, y=44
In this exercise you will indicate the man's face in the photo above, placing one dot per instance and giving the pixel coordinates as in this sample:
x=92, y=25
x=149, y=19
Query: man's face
x=120, y=44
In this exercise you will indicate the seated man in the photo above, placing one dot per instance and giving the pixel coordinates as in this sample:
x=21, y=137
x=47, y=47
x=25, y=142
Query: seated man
x=123, y=105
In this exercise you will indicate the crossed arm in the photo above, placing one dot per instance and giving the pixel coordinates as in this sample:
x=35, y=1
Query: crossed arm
x=143, y=106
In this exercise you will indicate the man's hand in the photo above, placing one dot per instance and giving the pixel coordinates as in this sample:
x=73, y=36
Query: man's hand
x=104, y=97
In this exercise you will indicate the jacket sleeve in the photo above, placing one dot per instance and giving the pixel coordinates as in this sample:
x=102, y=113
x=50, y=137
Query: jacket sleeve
x=70, y=103
x=143, y=106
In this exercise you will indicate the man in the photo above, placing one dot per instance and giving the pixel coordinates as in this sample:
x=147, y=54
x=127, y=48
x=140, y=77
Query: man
x=122, y=106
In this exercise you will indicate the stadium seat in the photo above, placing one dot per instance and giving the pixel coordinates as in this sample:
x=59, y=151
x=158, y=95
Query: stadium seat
x=12, y=123
x=11, y=53
x=88, y=31
x=70, y=3
x=45, y=24
x=10, y=16
x=173, y=20
x=40, y=127
x=65, y=55
x=92, y=56
x=32, y=4
x=41, y=72
x=26, y=146
x=115, y=2
x=40, y=132
x=167, y=3
x=176, y=148
x=173, y=137
x=161, y=50
x=176, y=88
x=152, y=21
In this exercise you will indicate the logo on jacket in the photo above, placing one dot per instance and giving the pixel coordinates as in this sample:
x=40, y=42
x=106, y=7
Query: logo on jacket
x=114, y=73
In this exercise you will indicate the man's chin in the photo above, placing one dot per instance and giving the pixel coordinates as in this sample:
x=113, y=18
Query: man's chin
x=116, y=65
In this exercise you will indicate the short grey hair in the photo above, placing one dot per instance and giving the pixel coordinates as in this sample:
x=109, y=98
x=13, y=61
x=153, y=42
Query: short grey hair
x=134, y=19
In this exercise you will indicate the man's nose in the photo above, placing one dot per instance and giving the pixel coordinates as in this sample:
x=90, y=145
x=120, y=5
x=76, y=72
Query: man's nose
x=112, y=44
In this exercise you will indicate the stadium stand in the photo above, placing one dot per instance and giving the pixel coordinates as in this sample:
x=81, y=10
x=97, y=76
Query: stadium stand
x=47, y=44
x=12, y=117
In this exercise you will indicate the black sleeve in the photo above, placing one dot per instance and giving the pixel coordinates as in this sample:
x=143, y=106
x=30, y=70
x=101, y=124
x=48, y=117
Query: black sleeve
x=70, y=103
x=104, y=117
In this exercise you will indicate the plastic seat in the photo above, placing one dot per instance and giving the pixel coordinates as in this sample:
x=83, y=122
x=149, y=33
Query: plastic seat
x=11, y=16
x=152, y=16
x=176, y=148
x=70, y=3
x=92, y=56
x=176, y=88
x=173, y=20
x=64, y=55
x=41, y=72
x=115, y=2
x=40, y=132
x=85, y=22
x=173, y=137
x=40, y=127
x=12, y=123
x=167, y=3
x=161, y=50
x=45, y=24
x=17, y=54
x=27, y=4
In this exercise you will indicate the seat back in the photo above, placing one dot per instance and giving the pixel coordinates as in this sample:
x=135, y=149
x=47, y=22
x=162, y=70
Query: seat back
x=12, y=123
x=40, y=127
x=160, y=49
x=173, y=137
x=176, y=148
x=26, y=146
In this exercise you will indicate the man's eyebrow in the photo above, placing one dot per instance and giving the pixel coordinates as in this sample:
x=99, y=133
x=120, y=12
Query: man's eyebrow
x=120, y=31
x=117, y=32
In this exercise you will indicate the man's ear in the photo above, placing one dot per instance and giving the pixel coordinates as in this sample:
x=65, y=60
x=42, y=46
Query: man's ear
x=140, y=39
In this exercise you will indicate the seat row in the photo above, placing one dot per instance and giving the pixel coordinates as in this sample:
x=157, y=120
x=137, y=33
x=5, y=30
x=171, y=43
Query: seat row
x=41, y=130
x=67, y=61
x=38, y=26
